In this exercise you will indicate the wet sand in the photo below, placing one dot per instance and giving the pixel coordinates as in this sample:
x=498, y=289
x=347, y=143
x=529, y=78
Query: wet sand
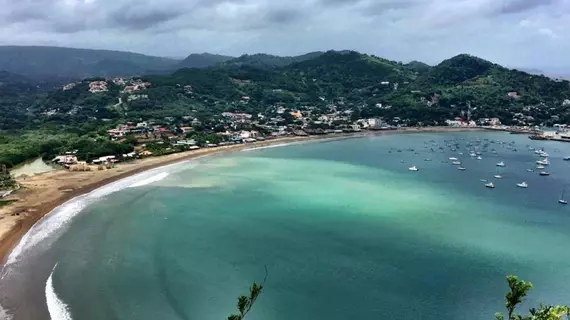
x=41, y=193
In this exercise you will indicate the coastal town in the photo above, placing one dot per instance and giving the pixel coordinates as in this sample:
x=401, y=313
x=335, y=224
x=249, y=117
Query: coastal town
x=159, y=136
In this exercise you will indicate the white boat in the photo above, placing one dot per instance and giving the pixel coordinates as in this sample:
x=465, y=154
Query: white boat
x=544, y=173
x=461, y=168
x=483, y=180
x=479, y=158
x=472, y=154
x=427, y=159
x=498, y=176
x=540, y=166
x=566, y=158
x=522, y=185
x=456, y=163
x=530, y=170
x=453, y=159
x=500, y=164
x=561, y=199
x=413, y=168
x=543, y=162
x=489, y=185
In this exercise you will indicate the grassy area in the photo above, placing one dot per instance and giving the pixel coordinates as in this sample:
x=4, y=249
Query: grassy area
x=6, y=202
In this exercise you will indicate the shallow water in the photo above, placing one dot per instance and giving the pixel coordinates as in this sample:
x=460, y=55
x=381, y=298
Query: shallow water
x=345, y=230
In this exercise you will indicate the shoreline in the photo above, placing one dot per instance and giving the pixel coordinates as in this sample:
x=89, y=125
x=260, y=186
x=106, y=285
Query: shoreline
x=42, y=193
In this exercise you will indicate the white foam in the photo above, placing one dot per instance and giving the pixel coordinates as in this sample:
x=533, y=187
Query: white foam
x=271, y=146
x=4, y=315
x=149, y=180
x=62, y=215
x=57, y=309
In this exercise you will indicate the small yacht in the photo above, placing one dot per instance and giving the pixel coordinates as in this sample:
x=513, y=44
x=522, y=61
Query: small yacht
x=483, y=180
x=479, y=158
x=500, y=164
x=544, y=173
x=456, y=163
x=498, y=176
x=566, y=158
x=522, y=185
x=489, y=185
x=561, y=199
x=472, y=154
x=427, y=159
x=530, y=170
x=461, y=168
x=540, y=166
x=543, y=162
x=453, y=158
x=413, y=168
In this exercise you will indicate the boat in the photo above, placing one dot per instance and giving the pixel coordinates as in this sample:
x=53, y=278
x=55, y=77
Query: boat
x=522, y=185
x=566, y=158
x=540, y=166
x=472, y=154
x=489, y=185
x=498, y=176
x=561, y=199
x=530, y=170
x=427, y=159
x=483, y=180
x=543, y=162
x=544, y=173
x=456, y=163
x=461, y=168
x=479, y=158
x=453, y=159
x=500, y=164
x=413, y=168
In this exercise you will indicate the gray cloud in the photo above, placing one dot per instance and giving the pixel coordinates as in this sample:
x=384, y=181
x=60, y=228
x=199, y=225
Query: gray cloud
x=517, y=6
x=429, y=30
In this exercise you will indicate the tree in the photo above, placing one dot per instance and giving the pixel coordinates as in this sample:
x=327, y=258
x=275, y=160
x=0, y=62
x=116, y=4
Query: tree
x=245, y=302
x=518, y=291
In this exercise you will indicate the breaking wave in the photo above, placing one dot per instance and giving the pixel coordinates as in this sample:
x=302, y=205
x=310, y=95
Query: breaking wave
x=62, y=215
x=57, y=309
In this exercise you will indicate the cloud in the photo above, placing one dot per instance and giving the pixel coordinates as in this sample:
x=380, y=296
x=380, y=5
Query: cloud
x=506, y=31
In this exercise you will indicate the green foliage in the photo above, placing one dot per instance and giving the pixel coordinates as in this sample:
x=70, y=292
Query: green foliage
x=245, y=302
x=518, y=291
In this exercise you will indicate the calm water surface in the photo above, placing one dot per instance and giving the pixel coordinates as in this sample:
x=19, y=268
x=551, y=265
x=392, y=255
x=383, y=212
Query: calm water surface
x=345, y=230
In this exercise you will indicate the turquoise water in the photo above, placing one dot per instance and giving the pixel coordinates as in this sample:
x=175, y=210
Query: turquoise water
x=345, y=230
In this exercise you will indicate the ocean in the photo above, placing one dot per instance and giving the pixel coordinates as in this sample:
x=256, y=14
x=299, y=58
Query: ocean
x=343, y=228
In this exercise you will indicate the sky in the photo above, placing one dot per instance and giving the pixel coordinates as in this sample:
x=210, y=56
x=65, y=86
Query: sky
x=516, y=33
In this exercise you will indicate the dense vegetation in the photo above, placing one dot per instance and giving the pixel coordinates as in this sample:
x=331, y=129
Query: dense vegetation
x=40, y=122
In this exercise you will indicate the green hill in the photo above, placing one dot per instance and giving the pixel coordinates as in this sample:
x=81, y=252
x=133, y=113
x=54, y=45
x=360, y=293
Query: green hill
x=345, y=81
x=262, y=60
x=202, y=60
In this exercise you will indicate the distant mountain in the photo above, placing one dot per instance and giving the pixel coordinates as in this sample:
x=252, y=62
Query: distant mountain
x=418, y=66
x=202, y=60
x=49, y=63
x=262, y=60
x=9, y=77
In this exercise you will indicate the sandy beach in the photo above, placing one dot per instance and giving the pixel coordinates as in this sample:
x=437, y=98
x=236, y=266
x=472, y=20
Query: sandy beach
x=41, y=193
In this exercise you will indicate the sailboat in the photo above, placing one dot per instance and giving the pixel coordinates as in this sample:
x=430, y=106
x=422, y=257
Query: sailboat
x=522, y=185
x=498, y=174
x=561, y=200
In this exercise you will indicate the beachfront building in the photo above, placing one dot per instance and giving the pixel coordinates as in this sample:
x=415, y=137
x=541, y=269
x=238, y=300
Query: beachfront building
x=65, y=159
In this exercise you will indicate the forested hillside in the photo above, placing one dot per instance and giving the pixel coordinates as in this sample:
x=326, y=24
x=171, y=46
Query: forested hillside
x=362, y=85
